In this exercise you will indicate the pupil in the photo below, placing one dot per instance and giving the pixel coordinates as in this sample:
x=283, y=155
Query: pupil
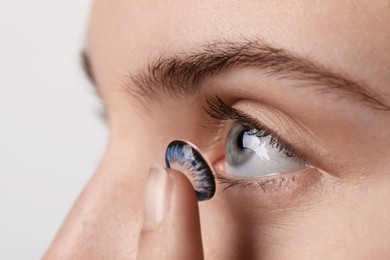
x=240, y=140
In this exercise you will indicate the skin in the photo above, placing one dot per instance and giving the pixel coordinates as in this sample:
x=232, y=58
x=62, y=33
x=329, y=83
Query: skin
x=339, y=211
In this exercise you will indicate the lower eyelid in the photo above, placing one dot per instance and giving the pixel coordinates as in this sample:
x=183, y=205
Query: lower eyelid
x=266, y=185
x=272, y=192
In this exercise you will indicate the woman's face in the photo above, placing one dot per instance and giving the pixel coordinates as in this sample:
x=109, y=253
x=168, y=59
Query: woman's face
x=298, y=88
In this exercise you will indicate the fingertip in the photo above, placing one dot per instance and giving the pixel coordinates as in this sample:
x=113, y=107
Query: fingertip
x=184, y=216
x=182, y=185
x=178, y=235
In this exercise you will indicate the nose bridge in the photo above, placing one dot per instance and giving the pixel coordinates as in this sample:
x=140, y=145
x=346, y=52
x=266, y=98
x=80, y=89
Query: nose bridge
x=104, y=222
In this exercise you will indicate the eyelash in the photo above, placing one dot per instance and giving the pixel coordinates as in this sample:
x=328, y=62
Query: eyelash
x=275, y=181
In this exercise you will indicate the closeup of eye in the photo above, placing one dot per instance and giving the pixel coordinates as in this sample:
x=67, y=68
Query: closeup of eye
x=264, y=163
x=251, y=152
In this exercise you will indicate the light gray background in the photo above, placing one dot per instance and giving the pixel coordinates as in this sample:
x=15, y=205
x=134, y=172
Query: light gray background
x=51, y=138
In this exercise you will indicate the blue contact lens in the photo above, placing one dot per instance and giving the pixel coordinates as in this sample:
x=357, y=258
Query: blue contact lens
x=184, y=157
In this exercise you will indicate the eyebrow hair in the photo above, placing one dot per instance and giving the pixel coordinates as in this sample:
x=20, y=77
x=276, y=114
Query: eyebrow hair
x=181, y=74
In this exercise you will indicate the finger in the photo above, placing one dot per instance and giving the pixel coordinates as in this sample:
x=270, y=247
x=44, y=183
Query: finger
x=171, y=228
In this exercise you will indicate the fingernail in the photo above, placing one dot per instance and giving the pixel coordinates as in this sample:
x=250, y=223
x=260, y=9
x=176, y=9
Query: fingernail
x=156, y=196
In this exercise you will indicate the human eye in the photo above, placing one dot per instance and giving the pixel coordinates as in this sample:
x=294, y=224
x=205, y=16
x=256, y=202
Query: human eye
x=253, y=155
x=251, y=152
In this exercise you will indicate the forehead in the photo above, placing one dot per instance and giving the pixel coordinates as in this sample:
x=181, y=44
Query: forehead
x=351, y=36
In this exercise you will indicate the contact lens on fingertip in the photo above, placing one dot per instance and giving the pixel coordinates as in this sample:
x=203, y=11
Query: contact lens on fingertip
x=184, y=157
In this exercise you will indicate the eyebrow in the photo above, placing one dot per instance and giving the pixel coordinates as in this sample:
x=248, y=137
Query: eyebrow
x=181, y=74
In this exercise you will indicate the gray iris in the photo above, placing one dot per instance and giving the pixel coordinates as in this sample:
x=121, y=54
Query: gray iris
x=235, y=151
